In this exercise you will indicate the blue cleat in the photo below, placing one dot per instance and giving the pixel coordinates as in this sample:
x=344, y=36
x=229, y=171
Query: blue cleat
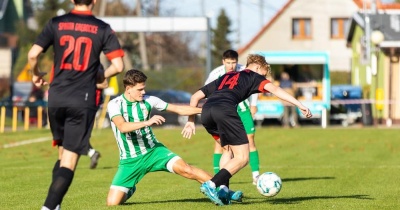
x=224, y=196
x=208, y=189
x=130, y=192
x=236, y=195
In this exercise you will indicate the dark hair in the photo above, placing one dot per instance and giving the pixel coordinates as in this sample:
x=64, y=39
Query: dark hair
x=133, y=76
x=232, y=54
x=85, y=2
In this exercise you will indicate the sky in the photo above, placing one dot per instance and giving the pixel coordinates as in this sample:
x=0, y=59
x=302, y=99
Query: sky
x=249, y=17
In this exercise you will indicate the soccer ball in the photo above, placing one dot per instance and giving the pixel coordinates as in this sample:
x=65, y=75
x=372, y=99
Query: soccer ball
x=269, y=184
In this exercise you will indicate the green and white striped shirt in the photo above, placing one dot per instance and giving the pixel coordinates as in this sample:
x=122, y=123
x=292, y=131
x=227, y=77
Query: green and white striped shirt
x=141, y=141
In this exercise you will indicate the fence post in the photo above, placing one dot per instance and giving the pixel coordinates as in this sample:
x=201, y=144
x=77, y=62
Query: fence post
x=26, y=118
x=324, y=118
x=103, y=112
x=14, y=118
x=40, y=117
x=2, y=119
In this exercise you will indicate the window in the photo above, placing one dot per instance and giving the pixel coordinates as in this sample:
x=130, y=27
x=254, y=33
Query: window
x=338, y=27
x=301, y=28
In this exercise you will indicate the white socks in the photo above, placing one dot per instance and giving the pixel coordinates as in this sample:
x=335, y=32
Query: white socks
x=91, y=152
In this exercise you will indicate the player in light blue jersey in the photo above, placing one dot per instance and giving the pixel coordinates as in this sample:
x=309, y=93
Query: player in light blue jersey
x=140, y=151
x=246, y=110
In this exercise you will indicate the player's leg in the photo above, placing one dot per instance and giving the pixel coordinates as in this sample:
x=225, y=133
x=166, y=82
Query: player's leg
x=233, y=136
x=233, y=195
x=62, y=179
x=239, y=160
x=217, y=157
x=253, y=158
x=77, y=129
x=231, y=167
x=129, y=173
x=57, y=164
x=94, y=156
x=183, y=169
x=119, y=195
x=233, y=139
x=57, y=129
x=250, y=129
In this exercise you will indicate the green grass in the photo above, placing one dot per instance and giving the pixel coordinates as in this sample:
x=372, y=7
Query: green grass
x=335, y=168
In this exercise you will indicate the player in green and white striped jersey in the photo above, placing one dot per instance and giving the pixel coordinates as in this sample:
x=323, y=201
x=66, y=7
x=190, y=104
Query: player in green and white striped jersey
x=140, y=151
x=246, y=110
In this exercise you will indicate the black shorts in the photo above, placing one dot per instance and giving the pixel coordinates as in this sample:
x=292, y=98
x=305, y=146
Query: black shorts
x=73, y=126
x=224, y=122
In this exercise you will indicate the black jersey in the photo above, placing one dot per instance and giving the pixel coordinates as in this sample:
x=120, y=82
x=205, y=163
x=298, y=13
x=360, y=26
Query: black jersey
x=234, y=87
x=78, y=38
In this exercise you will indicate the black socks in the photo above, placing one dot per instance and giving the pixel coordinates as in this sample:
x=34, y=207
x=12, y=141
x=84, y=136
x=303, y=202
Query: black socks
x=61, y=181
x=222, y=178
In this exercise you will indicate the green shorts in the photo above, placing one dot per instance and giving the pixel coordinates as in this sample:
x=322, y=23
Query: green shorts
x=248, y=122
x=132, y=170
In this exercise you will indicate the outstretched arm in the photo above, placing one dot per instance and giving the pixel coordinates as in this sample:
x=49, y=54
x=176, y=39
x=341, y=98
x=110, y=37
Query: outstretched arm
x=190, y=128
x=280, y=93
x=183, y=109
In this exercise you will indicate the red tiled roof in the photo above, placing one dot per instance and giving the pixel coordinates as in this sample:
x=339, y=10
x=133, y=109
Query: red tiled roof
x=379, y=4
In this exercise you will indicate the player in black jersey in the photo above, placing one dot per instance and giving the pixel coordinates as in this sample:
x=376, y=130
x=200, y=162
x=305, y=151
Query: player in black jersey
x=220, y=118
x=78, y=38
x=93, y=154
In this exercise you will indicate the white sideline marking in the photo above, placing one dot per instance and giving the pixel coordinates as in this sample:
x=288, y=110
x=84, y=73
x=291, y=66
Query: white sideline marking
x=31, y=141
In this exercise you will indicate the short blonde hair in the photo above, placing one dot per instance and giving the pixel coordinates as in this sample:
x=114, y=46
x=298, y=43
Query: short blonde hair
x=260, y=60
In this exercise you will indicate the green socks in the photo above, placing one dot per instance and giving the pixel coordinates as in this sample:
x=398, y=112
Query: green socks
x=216, y=159
x=254, y=161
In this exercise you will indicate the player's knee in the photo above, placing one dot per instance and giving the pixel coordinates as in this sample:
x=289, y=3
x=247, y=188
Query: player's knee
x=243, y=159
x=110, y=202
x=113, y=201
x=115, y=198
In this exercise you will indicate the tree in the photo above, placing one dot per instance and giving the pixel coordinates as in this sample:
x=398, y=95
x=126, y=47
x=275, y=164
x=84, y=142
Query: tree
x=45, y=10
x=169, y=53
x=220, y=39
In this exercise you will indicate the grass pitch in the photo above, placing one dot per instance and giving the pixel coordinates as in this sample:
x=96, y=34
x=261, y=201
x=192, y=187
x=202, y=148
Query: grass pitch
x=335, y=168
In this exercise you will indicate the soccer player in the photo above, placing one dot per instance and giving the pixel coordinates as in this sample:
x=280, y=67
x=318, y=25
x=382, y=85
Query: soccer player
x=77, y=38
x=246, y=110
x=93, y=154
x=220, y=118
x=140, y=151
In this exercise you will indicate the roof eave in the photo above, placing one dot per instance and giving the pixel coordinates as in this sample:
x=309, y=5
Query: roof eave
x=265, y=28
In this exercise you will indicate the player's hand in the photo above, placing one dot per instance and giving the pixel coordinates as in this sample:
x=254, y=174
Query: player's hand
x=305, y=111
x=188, y=130
x=38, y=80
x=156, y=119
x=102, y=85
